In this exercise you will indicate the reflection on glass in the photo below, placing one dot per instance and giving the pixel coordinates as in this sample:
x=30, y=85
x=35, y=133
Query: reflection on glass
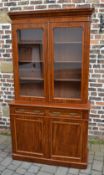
x=31, y=62
x=67, y=62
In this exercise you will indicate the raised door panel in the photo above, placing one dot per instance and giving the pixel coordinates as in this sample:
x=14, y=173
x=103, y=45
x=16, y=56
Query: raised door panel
x=28, y=135
x=67, y=139
x=30, y=61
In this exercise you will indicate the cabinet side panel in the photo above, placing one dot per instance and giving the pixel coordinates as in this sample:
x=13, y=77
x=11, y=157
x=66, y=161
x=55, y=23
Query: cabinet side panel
x=85, y=71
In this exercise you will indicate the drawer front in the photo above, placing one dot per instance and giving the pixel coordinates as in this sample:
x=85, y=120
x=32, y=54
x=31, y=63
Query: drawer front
x=24, y=110
x=51, y=112
x=65, y=113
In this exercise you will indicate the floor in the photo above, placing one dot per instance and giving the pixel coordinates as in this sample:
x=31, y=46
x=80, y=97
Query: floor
x=13, y=167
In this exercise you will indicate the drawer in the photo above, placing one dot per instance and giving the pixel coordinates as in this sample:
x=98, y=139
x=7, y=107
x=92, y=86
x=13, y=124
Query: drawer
x=67, y=113
x=24, y=110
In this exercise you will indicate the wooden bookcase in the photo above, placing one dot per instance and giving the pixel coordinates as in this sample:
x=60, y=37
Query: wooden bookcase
x=50, y=113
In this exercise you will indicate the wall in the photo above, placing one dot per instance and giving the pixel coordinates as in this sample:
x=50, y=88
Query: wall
x=96, y=77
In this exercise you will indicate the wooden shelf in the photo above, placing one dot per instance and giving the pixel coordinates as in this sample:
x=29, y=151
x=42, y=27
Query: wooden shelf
x=27, y=61
x=68, y=62
x=30, y=43
x=79, y=42
x=40, y=79
x=31, y=79
x=66, y=79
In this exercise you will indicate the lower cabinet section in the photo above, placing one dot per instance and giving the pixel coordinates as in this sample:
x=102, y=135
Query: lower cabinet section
x=57, y=140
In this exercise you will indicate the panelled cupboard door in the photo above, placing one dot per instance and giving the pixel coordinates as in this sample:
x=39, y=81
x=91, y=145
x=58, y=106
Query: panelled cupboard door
x=67, y=139
x=67, y=45
x=29, y=135
x=30, y=58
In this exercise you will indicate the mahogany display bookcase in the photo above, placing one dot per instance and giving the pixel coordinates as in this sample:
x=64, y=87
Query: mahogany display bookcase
x=49, y=115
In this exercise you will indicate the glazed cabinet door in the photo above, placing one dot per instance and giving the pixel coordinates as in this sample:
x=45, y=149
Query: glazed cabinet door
x=68, y=139
x=30, y=61
x=67, y=47
x=29, y=135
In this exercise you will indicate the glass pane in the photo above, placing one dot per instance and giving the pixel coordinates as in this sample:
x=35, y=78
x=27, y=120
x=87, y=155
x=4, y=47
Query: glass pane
x=67, y=62
x=31, y=63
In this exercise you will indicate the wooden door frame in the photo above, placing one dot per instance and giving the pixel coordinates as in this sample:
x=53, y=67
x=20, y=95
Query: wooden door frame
x=15, y=60
x=85, y=61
